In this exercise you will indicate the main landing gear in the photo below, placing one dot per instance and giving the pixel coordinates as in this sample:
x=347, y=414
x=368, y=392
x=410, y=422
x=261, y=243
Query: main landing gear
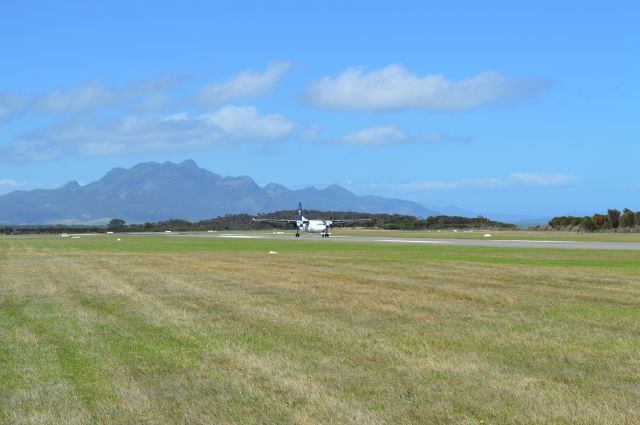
x=297, y=233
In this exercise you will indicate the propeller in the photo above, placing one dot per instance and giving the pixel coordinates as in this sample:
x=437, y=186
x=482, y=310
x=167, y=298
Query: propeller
x=327, y=226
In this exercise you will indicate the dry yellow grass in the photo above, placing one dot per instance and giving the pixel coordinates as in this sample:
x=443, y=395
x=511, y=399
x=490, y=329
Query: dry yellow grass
x=228, y=334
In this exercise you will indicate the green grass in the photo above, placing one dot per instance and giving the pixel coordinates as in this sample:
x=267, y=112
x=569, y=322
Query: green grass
x=504, y=235
x=196, y=330
x=476, y=234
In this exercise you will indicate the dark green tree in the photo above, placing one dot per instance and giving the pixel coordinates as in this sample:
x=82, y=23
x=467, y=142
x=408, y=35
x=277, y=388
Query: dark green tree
x=588, y=225
x=599, y=220
x=614, y=218
x=116, y=223
x=628, y=218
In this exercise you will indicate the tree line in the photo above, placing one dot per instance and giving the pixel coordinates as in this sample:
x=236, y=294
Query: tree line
x=612, y=221
x=245, y=222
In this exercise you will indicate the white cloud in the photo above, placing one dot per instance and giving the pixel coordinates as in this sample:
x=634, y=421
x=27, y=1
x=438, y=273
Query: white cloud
x=77, y=99
x=473, y=182
x=393, y=87
x=533, y=179
x=245, y=84
x=379, y=135
x=148, y=95
x=181, y=132
x=391, y=135
x=159, y=101
x=10, y=185
x=95, y=95
x=245, y=123
x=311, y=133
x=85, y=97
x=513, y=180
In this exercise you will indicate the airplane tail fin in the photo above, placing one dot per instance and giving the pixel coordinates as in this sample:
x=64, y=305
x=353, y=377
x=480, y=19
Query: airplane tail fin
x=300, y=211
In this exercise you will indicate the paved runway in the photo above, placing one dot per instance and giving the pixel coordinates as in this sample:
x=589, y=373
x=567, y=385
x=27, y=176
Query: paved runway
x=627, y=246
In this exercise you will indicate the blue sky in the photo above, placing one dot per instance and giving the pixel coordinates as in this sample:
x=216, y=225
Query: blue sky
x=526, y=108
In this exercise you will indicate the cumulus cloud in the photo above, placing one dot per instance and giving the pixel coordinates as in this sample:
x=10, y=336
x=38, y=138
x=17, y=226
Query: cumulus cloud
x=77, y=99
x=245, y=84
x=148, y=95
x=391, y=135
x=513, y=180
x=93, y=95
x=245, y=123
x=181, y=132
x=394, y=87
x=82, y=98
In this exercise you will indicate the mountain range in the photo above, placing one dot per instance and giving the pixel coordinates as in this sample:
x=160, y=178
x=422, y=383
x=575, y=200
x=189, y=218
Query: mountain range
x=152, y=191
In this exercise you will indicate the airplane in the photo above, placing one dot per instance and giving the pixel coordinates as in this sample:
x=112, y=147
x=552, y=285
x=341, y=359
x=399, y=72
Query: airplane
x=310, y=226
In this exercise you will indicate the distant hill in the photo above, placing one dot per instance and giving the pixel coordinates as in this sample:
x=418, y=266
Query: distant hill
x=153, y=192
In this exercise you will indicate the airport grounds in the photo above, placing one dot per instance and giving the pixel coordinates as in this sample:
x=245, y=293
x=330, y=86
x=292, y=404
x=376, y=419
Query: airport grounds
x=151, y=329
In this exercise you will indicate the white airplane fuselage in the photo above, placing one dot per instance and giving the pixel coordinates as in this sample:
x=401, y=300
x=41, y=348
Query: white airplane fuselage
x=314, y=226
x=309, y=226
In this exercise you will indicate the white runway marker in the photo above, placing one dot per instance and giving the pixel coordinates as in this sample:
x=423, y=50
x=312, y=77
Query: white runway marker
x=411, y=241
x=530, y=241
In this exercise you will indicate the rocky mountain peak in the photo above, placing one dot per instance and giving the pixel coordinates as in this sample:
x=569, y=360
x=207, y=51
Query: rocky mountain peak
x=152, y=191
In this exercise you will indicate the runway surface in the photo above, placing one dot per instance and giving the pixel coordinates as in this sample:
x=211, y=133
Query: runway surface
x=627, y=246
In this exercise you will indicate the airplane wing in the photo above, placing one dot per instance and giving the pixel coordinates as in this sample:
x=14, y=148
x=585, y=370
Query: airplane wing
x=355, y=220
x=274, y=220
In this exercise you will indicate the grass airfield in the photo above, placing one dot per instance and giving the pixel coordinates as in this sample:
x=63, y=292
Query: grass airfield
x=525, y=235
x=498, y=234
x=204, y=330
